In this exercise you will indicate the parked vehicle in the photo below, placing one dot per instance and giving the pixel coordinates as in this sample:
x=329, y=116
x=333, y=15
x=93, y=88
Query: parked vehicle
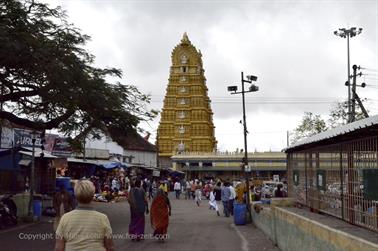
x=8, y=212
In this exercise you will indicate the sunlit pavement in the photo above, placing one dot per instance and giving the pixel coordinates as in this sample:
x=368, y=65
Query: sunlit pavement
x=191, y=228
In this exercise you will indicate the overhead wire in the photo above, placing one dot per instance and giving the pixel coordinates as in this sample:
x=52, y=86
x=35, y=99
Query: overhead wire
x=368, y=69
x=264, y=100
x=369, y=74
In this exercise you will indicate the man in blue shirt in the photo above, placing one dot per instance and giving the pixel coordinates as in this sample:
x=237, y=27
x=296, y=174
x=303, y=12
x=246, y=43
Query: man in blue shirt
x=225, y=195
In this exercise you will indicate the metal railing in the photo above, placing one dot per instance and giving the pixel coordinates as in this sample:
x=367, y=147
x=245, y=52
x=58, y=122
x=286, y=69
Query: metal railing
x=333, y=179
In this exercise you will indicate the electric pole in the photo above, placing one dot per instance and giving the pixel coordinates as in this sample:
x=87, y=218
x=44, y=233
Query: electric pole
x=287, y=138
x=353, y=117
x=348, y=33
x=355, y=97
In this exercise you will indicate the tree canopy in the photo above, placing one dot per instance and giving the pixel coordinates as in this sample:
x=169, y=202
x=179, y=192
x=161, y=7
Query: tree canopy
x=339, y=114
x=48, y=80
x=312, y=124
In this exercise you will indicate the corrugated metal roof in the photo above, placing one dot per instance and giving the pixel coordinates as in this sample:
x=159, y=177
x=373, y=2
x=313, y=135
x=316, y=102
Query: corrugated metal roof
x=38, y=154
x=363, y=123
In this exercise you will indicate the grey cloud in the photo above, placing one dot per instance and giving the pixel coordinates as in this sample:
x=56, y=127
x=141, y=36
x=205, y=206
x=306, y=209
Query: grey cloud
x=290, y=46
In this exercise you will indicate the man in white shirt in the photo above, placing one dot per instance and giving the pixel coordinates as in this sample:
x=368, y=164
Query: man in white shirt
x=115, y=185
x=177, y=188
x=231, y=200
x=187, y=190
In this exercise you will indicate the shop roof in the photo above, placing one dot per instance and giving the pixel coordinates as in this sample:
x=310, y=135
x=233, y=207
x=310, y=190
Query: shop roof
x=107, y=164
x=38, y=154
x=132, y=141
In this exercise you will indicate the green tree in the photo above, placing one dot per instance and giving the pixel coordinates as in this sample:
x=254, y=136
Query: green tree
x=310, y=125
x=339, y=114
x=48, y=79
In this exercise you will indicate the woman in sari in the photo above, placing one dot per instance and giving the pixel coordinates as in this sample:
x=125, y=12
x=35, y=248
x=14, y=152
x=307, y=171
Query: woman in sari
x=138, y=206
x=160, y=212
x=62, y=203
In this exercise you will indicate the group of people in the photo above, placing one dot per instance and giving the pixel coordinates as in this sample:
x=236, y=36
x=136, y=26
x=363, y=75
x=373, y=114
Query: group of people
x=217, y=193
x=159, y=215
x=224, y=194
x=76, y=228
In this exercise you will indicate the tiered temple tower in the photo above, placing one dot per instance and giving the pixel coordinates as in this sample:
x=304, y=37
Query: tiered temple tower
x=186, y=123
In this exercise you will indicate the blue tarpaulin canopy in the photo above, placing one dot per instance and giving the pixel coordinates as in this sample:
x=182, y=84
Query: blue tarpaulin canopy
x=114, y=164
x=107, y=164
x=176, y=173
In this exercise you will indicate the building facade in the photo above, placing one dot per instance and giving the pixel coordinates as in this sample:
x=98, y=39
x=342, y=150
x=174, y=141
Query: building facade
x=133, y=149
x=226, y=165
x=186, y=122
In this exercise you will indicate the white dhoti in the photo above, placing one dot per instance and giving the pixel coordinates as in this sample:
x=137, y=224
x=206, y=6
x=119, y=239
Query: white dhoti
x=198, y=196
x=213, y=202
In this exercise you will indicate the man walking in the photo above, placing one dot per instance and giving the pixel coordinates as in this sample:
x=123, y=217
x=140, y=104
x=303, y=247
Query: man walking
x=187, y=190
x=231, y=200
x=225, y=196
x=218, y=194
x=177, y=188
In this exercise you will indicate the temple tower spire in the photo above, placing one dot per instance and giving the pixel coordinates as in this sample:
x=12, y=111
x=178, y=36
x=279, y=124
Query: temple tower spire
x=186, y=123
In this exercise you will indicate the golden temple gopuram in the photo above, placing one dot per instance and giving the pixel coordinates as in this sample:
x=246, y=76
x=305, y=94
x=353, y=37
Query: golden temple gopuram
x=186, y=123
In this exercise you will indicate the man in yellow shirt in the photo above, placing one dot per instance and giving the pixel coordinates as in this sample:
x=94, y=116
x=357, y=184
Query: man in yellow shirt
x=164, y=187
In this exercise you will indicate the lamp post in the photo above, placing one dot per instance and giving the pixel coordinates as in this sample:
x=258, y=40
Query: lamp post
x=246, y=168
x=348, y=33
x=33, y=136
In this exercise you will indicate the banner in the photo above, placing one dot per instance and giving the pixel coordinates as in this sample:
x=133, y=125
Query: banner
x=61, y=147
x=6, y=137
x=23, y=137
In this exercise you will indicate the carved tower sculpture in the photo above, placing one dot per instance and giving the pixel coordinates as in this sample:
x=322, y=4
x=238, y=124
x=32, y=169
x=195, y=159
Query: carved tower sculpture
x=186, y=123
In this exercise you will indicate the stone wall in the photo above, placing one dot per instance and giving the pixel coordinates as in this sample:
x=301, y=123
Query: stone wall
x=291, y=231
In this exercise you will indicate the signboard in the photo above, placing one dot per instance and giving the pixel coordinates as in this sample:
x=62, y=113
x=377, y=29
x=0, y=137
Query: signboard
x=276, y=178
x=247, y=168
x=50, y=141
x=61, y=147
x=23, y=137
x=296, y=177
x=370, y=184
x=321, y=179
x=156, y=173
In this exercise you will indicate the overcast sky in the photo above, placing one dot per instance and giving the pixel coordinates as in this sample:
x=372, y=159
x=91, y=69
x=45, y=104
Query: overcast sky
x=289, y=45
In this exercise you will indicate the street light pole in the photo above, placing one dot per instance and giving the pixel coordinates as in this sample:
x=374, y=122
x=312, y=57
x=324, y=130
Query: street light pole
x=246, y=168
x=32, y=178
x=348, y=33
x=348, y=80
x=245, y=164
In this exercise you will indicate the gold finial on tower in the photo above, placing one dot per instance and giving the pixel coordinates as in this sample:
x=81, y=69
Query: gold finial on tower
x=185, y=39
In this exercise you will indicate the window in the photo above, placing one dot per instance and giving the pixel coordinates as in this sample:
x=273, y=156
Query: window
x=183, y=69
x=182, y=79
x=184, y=59
x=181, y=115
x=181, y=130
x=182, y=89
x=181, y=147
x=182, y=101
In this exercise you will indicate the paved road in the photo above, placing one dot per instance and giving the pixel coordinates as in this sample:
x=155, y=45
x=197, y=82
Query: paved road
x=191, y=228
